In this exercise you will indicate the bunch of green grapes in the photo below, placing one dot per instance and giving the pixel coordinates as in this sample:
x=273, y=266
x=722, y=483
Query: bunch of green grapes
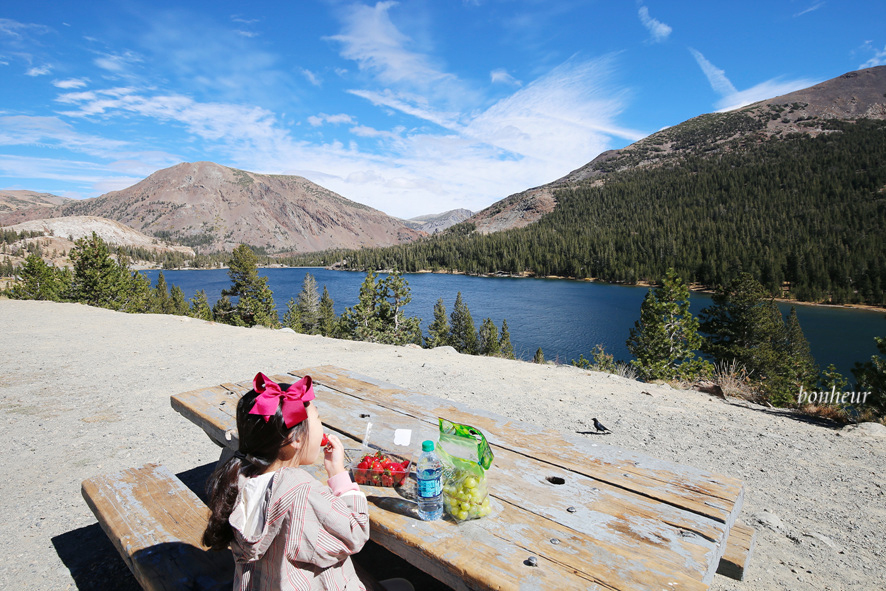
x=464, y=495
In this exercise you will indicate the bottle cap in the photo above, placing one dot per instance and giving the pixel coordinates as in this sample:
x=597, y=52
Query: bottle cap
x=427, y=445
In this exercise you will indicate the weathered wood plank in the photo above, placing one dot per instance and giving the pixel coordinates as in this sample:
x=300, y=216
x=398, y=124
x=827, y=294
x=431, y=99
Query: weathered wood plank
x=155, y=522
x=625, y=522
x=716, y=496
x=212, y=409
x=490, y=553
x=739, y=548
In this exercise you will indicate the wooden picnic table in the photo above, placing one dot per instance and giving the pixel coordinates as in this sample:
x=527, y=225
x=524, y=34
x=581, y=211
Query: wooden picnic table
x=594, y=516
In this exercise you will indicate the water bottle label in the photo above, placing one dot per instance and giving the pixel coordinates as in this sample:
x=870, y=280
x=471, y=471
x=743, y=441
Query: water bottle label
x=430, y=488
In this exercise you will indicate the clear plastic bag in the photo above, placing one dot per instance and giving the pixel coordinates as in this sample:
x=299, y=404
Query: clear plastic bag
x=466, y=456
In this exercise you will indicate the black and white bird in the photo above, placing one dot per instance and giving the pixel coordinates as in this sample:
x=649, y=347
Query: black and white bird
x=600, y=427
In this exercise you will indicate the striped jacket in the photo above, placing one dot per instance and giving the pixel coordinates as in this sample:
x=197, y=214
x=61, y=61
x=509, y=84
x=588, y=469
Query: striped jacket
x=304, y=538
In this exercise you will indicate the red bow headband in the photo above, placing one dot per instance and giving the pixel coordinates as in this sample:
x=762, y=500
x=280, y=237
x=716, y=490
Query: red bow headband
x=270, y=396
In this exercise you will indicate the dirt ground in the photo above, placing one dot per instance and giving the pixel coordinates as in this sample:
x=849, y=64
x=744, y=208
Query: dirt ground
x=85, y=391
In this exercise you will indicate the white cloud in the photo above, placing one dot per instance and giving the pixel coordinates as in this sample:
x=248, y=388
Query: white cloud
x=501, y=76
x=735, y=99
x=762, y=91
x=229, y=124
x=39, y=70
x=117, y=63
x=370, y=132
x=311, y=76
x=244, y=21
x=69, y=171
x=374, y=42
x=411, y=104
x=318, y=120
x=23, y=130
x=659, y=31
x=812, y=8
x=71, y=83
x=19, y=34
x=879, y=58
x=566, y=115
x=716, y=77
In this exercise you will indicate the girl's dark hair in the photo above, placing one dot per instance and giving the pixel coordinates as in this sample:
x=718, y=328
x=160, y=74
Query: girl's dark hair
x=260, y=443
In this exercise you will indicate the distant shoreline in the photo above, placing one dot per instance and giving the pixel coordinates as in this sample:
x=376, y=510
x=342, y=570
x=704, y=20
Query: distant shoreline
x=646, y=284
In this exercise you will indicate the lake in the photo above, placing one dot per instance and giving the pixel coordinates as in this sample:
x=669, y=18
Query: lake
x=565, y=318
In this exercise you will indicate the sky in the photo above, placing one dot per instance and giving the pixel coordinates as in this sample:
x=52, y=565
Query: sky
x=410, y=107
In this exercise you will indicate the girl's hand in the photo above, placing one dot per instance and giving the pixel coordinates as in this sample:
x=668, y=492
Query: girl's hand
x=334, y=456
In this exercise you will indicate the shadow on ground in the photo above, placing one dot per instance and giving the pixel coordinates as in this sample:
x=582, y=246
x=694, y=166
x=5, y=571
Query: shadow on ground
x=95, y=564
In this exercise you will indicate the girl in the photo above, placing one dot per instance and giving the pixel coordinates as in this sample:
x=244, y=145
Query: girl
x=286, y=530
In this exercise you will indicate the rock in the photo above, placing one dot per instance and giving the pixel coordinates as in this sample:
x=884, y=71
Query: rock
x=868, y=429
x=770, y=520
x=287, y=329
x=445, y=349
x=824, y=539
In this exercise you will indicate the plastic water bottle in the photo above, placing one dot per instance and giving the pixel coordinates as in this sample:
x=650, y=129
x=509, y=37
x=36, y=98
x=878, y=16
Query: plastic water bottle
x=429, y=476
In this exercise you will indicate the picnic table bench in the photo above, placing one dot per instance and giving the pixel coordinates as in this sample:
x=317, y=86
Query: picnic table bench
x=592, y=515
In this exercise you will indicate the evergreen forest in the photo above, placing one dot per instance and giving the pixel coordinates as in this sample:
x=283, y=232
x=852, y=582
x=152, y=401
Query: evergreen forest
x=802, y=215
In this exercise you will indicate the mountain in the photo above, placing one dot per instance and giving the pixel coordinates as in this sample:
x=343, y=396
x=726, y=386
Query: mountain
x=852, y=96
x=58, y=236
x=215, y=208
x=73, y=228
x=791, y=190
x=437, y=222
x=14, y=200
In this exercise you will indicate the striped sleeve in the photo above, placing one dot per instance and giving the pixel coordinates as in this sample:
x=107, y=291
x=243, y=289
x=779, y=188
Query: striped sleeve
x=331, y=527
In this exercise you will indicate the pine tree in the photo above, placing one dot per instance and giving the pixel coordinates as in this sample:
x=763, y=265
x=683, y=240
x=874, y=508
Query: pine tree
x=178, y=302
x=200, y=306
x=395, y=328
x=292, y=317
x=739, y=321
x=327, y=314
x=539, y=356
x=796, y=368
x=745, y=325
x=504, y=342
x=98, y=280
x=224, y=311
x=138, y=295
x=360, y=322
x=462, y=335
x=438, y=330
x=831, y=378
x=255, y=300
x=665, y=338
x=309, y=305
x=378, y=316
x=488, y=342
x=37, y=280
x=871, y=377
x=160, y=302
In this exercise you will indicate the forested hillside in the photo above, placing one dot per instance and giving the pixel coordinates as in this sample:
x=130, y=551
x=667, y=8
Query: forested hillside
x=797, y=212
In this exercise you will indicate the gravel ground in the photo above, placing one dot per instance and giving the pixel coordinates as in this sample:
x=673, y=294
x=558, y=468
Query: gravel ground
x=85, y=391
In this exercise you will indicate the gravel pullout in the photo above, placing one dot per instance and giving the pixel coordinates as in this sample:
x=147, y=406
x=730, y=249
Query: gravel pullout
x=85, y=390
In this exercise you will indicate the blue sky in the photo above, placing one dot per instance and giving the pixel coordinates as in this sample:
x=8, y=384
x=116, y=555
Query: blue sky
x=411, y=107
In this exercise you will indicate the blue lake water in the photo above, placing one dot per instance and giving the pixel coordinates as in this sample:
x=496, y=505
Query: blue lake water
x=565, y=318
